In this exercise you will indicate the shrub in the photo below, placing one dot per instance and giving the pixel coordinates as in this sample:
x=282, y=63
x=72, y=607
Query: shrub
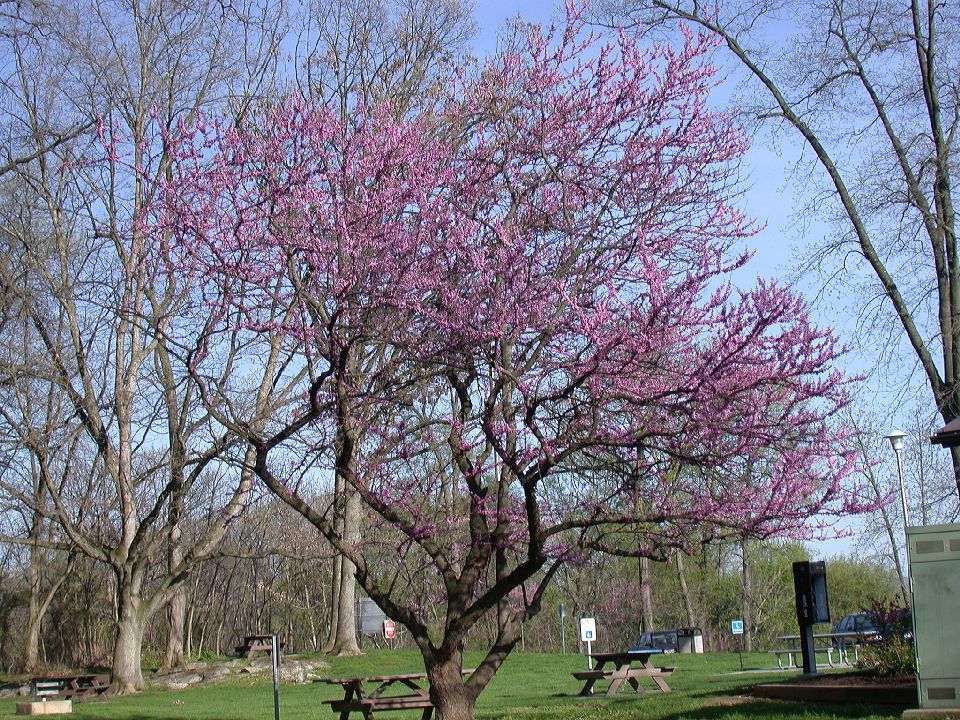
x=893, y=655
x=893, y=658
x=892, y=619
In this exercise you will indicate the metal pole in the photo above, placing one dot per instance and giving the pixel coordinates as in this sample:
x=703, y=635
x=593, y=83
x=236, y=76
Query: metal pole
x=909, y=600
x=275, y=652
x=903, y=491
x=808, y=650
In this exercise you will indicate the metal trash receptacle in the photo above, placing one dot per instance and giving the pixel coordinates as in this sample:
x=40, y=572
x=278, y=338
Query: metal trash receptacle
x=689, y=640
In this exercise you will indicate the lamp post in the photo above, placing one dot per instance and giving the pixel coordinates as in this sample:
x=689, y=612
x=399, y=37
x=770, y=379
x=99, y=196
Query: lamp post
x=896, y=442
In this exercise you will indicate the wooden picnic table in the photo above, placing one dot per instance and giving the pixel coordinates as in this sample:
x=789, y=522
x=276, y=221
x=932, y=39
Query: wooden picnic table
x=368, y=695
x=626, y=666
x=252, y=644
x=69, y=686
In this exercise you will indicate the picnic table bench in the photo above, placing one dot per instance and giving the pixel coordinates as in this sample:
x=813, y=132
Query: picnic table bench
x=840, y=643
x=356, y=698
x=252, y=644
x=69, y=686
x=623, y=669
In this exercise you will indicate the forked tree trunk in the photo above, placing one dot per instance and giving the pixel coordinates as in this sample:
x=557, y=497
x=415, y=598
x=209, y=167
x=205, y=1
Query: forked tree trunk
x=451, y=698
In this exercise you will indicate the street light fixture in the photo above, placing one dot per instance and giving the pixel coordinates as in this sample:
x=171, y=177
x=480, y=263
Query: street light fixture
x=896, y=442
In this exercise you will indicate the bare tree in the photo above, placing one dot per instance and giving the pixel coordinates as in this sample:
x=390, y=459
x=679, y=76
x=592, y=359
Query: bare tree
x=118, y=349
x=871, y=89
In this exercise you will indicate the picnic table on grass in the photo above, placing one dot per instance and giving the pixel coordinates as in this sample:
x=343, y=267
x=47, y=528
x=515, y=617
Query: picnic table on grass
x=252, y=644
x=368, y=695
x=829, y=643
x=70, y=686
x=626, y=666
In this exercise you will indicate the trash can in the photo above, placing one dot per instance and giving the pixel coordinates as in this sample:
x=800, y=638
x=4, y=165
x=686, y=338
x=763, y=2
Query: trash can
x=689, y=640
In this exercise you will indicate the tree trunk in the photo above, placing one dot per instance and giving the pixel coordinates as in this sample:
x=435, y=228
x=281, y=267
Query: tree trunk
x=177, y=605
x=336, y=574
x=345, y=639
x=39, y=604
x=127, y=673
x=684, y=591
x=31, y=640
x=31, y=650
x=646, y=595
x=176, y=620
x=747, y=608
x=451, y=698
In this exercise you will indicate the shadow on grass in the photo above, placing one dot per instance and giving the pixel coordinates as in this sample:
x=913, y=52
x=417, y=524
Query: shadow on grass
x=759, y=708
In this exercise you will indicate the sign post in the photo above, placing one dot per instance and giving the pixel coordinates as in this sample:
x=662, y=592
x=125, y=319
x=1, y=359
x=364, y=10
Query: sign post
x=275, y=652
x=563, y=635
x=588, y=633
x=736, y=627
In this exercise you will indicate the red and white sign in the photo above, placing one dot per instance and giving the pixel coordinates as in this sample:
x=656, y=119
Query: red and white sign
x=389, y=629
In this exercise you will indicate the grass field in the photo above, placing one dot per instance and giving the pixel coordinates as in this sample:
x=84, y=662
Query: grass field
x=528, y=687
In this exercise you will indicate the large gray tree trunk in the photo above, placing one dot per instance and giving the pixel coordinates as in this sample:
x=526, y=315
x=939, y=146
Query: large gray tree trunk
x=127, y=672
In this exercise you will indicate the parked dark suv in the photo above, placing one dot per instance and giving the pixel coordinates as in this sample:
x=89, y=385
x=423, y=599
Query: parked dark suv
x=861, y=623
x=899, y=623
x=666, y=640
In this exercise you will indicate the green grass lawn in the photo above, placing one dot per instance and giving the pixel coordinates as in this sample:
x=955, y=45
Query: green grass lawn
x=529, y=686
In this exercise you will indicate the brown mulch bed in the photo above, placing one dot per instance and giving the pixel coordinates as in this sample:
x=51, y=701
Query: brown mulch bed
x=852, y=687
x=853, y=678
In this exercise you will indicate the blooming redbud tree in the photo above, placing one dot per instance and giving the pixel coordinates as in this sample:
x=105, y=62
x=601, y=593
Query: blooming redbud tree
x=518, y=337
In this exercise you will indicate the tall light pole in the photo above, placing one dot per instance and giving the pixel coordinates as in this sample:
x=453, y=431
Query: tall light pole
x=896, y=442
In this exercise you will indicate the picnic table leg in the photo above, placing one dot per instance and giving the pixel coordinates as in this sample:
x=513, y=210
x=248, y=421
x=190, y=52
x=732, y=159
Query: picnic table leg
x=588, y=687
x=661, y=683
x=614, y=686
x=427, y=712
x=636, y=685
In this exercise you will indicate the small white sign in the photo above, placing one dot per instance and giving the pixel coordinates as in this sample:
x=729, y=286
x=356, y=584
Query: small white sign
x=588, y=629
x=736, y=627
